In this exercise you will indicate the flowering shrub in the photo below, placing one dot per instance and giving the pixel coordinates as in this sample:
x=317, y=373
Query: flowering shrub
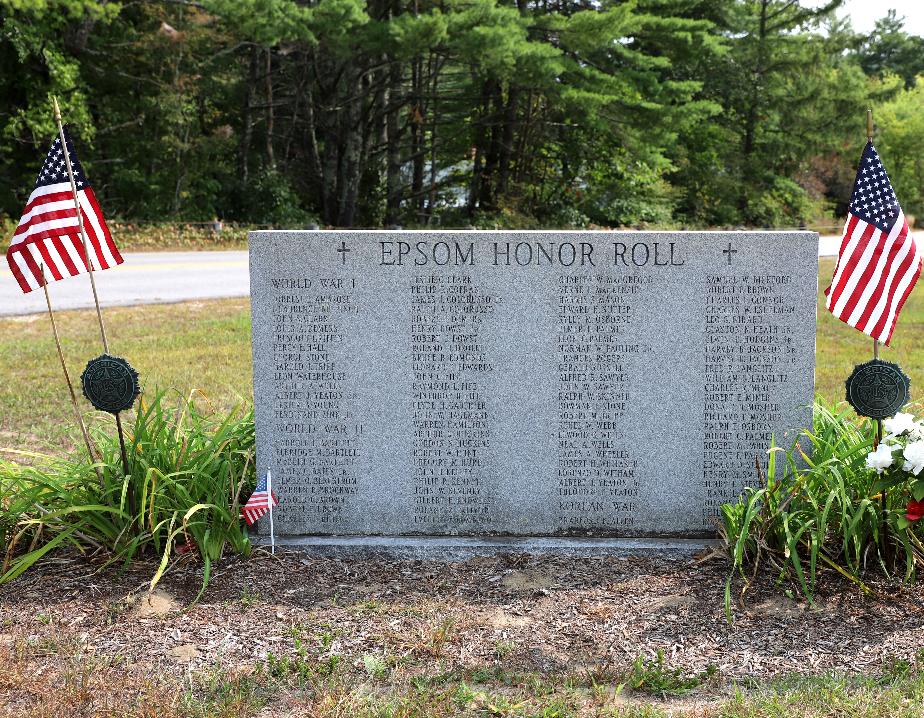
x=899, y=461
x=831, y=504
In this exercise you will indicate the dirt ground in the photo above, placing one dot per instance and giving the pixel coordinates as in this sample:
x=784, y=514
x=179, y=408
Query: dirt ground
x=528, y=613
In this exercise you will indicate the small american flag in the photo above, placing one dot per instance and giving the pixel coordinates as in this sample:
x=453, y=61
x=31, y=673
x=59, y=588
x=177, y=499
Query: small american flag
x=879, y=261
x=48, y=234
x=258, y=504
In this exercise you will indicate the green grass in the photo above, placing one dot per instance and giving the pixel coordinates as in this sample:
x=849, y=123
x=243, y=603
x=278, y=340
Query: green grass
x=340, y=692
x=206, y=346
x=839, y=347
x=312, y=684
x=877, y=696
x=176, y=237
x=651, y=676
x=160, y=237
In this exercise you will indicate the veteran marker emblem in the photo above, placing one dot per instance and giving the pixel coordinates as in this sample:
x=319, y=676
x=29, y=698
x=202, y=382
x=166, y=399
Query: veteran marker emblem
x=110, y=383
x=878, y=389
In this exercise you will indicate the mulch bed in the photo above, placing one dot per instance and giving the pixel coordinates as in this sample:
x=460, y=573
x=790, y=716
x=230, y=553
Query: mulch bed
x=525, y=613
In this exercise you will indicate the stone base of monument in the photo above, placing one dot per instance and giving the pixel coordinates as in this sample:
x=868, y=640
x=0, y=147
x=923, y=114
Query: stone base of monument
x=451, y=548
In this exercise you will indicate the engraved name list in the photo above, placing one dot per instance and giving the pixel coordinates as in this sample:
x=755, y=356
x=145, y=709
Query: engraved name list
x=525, y=383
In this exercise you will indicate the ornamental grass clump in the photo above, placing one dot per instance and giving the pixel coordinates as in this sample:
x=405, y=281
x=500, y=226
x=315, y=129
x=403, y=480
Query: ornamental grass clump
x=832, y=502
x=188, y=470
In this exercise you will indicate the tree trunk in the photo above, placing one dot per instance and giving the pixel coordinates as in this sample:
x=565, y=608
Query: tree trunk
x=749, y=142
x=378, y=154
x=417, y=135
x=351, y=150
x=311, y=140
x=521, y=156
x=270, y=119
x=247, y=118
x=488, y=196
x=434, y=128
x=393, y=146
x=507, y=141
x=479, y=139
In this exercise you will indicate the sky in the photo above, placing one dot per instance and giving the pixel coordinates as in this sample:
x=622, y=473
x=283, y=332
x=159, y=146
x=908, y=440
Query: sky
x=864, y=13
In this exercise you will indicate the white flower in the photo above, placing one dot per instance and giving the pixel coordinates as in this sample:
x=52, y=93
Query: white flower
x=899, y=424
x=917, y=433
x=880, y=459
x=914, y=457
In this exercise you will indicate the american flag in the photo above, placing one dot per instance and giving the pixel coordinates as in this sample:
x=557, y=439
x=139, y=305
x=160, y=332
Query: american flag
x=48, y=234
x=258, y=504
x=879, y=261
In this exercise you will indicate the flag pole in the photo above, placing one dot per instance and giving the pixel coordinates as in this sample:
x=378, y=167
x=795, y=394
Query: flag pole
x=67, y=378
x=877, y=439
x=83, y=234
x=89, y=261
x=269, y=502
x=869, y=138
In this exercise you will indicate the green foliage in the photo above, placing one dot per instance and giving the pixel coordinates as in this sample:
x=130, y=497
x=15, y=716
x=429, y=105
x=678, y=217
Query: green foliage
x=901, y=142
x=821, y=507
x=620, y=191
x=46, y=10
x=779, y=202
x=305, y=666
x=365, y=112
x=188, y=472
x=219, y=693
x=266, y=22
x=890, y=50
x=789, y=94
x=271, y=199
x=156, y=236
x=375, y=666
x=651, y=676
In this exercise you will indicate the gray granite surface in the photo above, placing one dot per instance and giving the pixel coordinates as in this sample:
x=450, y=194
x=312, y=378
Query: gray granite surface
x=460, y=548
x=525, y=383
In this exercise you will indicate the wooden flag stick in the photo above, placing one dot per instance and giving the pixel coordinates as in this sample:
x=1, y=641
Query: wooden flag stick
x=67, y=378
x=130, y=495
x=269, y=503
x=89, y=261
x=877, y=439
x=83, y=234
x=869, y=137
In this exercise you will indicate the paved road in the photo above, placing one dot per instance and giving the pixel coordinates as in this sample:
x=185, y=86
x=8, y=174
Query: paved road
x=829, y=246
x=144, y=278
x=157, y=277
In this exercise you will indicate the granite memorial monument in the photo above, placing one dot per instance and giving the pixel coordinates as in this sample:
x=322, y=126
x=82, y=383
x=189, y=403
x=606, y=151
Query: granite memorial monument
x=616, y=384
